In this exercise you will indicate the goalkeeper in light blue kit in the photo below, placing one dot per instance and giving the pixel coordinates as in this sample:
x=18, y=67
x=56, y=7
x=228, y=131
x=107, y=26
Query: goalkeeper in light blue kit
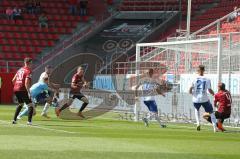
x=39, y=93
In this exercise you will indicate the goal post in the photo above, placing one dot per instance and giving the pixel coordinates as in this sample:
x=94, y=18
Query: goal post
x=181, y=57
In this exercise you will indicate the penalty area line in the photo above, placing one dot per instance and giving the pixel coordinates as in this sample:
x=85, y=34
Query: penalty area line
x=40, y=127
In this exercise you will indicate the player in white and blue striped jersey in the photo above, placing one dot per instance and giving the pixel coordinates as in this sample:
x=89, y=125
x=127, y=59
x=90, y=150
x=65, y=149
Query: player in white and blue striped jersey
x=199, y=90
x=149, y=86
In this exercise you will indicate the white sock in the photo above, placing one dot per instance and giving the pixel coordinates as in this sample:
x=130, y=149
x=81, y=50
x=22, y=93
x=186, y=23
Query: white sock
x=158, y=119
x=197, y=116
x=45, y=109
x=149, y=115
x=214, y=121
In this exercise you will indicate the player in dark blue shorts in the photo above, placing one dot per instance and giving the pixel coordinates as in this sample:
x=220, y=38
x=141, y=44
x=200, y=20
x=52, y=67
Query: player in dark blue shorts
x=149, y=86
x=199, y=90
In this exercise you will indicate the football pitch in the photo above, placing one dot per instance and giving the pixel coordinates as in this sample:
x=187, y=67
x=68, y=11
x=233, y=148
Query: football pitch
x=106, y=138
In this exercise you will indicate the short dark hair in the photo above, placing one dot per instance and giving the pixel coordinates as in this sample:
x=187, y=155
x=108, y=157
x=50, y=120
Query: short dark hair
x=150, y=70
x=201, y=67
x=48, y=67
x=222, y=86
x=45, y=78
x=27, y=60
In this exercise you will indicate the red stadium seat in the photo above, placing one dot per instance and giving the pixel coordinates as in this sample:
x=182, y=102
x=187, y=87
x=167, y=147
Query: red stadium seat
x=38, y=49
x=2, y=63
x=3, y=70
x=50, y=43
x=11, y=63
x=20, y=42
x=43, y=43
x=17, y=56
x=13, y=70
x=21, y=37
x=35, y=43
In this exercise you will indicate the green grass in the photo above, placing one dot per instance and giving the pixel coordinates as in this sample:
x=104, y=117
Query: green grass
x=103, y=138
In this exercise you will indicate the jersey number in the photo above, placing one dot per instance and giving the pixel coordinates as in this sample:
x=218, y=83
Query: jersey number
x=228, y=97
x=20, y=75
x=201, y=84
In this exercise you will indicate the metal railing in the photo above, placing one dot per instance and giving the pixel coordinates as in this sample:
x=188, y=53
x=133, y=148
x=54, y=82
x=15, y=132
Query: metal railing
x=7, y=65
x=214, y=25
x=73, y=39
x=164, y=13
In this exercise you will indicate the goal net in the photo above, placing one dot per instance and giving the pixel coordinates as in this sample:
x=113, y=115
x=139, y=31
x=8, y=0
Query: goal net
x=176, y=62
x=181, y=58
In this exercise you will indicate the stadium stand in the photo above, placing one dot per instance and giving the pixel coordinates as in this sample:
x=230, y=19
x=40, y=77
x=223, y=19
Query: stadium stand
x=24, y=38
x=228, y=27
x=222, y=8
x=198, y=21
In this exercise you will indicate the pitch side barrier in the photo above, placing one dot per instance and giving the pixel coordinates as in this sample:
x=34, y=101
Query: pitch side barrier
x=175, y=107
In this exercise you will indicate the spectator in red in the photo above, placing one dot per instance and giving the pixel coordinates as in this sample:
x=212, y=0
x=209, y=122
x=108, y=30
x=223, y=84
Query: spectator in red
x=73, y=6
x=9, y=13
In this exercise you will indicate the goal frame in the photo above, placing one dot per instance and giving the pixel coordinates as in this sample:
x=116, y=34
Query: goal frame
x=138, y=58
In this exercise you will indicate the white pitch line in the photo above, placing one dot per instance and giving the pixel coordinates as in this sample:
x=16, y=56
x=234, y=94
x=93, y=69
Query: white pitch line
x=184, y=126
x=40, y=127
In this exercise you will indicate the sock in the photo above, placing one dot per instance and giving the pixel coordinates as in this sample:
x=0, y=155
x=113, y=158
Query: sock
x=149, y=116
x=214, y=121
x=54, y=103
x=219, y=124
x=54, y=100
x=197, y=116
x=158, y=119
x=46, y=107
x=84, y=105
x=63, y=107
x=24, y=112
x=30, y=113
x=18, y=109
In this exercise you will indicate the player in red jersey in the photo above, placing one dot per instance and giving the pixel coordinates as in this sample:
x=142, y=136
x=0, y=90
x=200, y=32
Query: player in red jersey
x=223, y=101
x=22, y=84
x=78, y=82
